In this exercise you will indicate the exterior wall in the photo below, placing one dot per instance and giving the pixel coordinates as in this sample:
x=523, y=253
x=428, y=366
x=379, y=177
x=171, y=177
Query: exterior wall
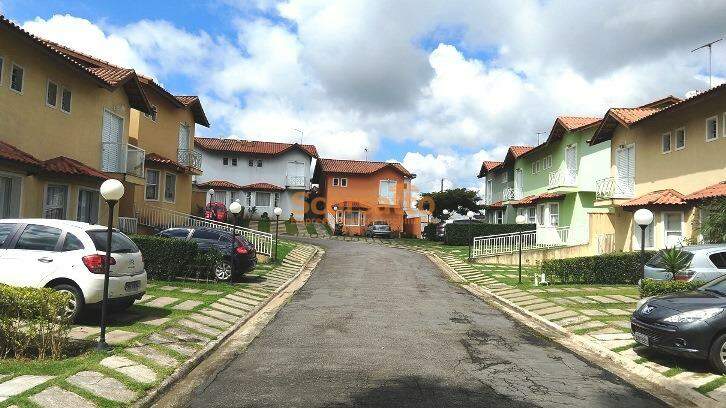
x=183, y=197
x=498, y=186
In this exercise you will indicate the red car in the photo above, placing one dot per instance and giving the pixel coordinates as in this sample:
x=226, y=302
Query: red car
x=216, y=211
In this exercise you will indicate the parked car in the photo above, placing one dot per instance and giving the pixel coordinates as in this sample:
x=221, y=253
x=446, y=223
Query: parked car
x=706, y=262
x=231, y=267
x=689, y=324
x=378, y=229
x=216, y=211
x=69, y=257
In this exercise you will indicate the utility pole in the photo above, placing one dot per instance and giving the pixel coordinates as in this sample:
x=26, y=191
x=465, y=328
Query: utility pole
x=708, y=45
x=442, y=185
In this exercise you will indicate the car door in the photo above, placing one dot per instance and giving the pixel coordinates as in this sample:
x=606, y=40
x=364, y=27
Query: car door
x=719, y=262
x=32, y=256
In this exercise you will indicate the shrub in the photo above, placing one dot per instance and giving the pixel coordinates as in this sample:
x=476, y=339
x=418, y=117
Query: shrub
x=615, y=268
x=264, y=225
x=32, y=322
x=458, y=233
x=649, y=287
x=291, y=228
x=265, y=216
x=429, y=232
x=166, y=258
x=713, y=226
x=203, y=265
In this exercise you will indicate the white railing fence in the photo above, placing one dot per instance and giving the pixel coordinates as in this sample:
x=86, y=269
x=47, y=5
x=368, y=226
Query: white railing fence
x=615, y=187
x=163, y=218
x=511, y=193
x=541, y=238
x=562, y=178
x=128, y=225
x=296, y=181
x=189, y=158
x=331, y=221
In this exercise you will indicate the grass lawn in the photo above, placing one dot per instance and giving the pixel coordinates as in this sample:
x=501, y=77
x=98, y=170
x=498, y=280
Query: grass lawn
x=310, y=228
x=283, y=248
x=291, y=228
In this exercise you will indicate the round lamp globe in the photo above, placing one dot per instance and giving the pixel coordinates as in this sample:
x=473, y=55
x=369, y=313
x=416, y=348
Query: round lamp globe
x=235, y=207
x=277, y=211
x=112, y=190
x=521, y=219
x=643, y=217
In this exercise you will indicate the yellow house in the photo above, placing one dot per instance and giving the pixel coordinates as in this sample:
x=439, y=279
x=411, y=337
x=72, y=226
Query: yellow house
x=667, y=156
x=64, y=128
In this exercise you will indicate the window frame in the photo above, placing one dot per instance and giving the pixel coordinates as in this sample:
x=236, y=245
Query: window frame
x=662, y=142
x=98, y=206
x=532, y=215
x=56, y=247
x=714, y=118
x=15, y=206
x=335, y=182
x=70, y=103
x=269, y=198
x=22, y=82
x=551, y=214
x=675, y=138
x=499, y=217
x=146, y=185
x=388, y=201
x=682, y=229
x=66, y=204
x=47, y=89
x=233, y=161
x=259, y=163
x=225, y=161
x=344, y=182
x=166, y=180
x=251, y=163
x=637, y=235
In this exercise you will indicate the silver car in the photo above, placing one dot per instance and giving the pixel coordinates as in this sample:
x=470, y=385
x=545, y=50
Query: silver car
x=706, y=262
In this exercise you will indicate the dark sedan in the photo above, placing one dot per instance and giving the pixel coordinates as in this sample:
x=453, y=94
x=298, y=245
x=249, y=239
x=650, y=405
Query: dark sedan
x=239, y=254
x=688, y=324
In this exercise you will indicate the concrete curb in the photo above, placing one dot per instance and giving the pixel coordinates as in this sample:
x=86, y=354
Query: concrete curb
x=666, y=389
x=201, y=355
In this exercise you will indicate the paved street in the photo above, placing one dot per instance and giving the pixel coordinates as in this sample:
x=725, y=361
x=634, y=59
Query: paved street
x=377, y=326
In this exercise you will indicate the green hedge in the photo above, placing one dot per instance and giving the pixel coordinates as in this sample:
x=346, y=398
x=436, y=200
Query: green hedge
x=649, y=287
x=429, y=232
x=458, y=234
x=32, y=322
x=166, y=258
x=615, y=268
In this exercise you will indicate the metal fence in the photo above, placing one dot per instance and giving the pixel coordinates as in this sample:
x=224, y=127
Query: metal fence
x=541, y=238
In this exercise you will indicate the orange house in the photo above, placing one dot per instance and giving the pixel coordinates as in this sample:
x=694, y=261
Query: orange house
x=358, y=193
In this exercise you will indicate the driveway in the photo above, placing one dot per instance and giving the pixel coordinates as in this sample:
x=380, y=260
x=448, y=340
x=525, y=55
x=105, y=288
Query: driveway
x=379, y=327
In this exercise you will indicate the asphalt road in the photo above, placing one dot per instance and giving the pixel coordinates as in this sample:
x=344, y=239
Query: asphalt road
x=381, y=327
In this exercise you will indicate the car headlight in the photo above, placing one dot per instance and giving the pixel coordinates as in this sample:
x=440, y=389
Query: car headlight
x=641, y=302
x=694, y=315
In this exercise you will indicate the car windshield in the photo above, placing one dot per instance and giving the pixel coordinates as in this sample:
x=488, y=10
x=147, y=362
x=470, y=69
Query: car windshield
x=657, y=260
x=717, y=286
x=120, y=243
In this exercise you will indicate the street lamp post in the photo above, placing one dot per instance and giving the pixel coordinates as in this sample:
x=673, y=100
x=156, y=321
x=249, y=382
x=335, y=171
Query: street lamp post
x=470, y=215
x=278, y=212
x=211, y=195
x=521, y=219
x=235, y=209
x=643, y=217
x=111, y=190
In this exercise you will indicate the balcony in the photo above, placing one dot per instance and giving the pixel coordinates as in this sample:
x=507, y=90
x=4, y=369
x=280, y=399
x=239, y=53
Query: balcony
x=512, y=193
x=295, y=181
x=562, y=178
x=189, y=158
x=615, y=188
x=122, y=158
x=135, y=158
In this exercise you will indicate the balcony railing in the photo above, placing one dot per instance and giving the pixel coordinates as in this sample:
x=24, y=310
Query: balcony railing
x=563, y=178
x=512, y=193
x=296, y=181
x=135, y=158
x=615, y=187
x=189, y=158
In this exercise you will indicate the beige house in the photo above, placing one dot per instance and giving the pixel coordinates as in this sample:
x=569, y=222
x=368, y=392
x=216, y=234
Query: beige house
x=668, y=156
x=64, y=128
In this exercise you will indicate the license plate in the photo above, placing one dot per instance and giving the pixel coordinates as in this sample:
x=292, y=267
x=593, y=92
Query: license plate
x=132, y=286
x=641, y=338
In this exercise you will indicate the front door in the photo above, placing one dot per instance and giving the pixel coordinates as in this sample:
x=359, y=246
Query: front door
x=111, y=139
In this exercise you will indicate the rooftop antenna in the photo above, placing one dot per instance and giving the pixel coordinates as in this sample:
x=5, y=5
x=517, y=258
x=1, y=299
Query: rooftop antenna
x=539, y=133
x=709, y=57
x=366, y=153
x=302, y=133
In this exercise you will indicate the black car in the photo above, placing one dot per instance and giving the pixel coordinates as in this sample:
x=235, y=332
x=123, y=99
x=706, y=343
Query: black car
x=688, y=324
x=231, y=267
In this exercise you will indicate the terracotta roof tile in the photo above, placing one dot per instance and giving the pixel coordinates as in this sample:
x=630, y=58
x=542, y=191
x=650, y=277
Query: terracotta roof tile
x=576, y=122
x=519, y=150
x=249, y=146
x=631, y=115
x=220, y=184
x=12, y=153
x=716, y=190
x=193, y=103
x=678, y=103
x=487, y=166
x=497, y=204
x=539, y=197
x=159, y=159
x=262, y=187
x=359, y=167
x=659, y=197
x=71, y=167
x=112, y=76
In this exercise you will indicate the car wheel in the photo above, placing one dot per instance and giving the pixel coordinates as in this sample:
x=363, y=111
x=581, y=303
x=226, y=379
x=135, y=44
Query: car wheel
x=223, y=271
x=717, y=355
x=75, y=304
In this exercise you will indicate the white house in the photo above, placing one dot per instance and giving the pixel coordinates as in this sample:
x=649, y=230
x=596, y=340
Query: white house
x=263, y=175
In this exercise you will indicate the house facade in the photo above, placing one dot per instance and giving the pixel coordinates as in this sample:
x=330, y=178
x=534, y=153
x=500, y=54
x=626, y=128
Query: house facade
x=64, y=128
x=358, y=193
x=261, y=175
x=667, y=156
x=502, y=190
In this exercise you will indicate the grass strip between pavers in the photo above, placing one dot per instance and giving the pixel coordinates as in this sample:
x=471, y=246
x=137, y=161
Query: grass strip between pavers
x=708, y=387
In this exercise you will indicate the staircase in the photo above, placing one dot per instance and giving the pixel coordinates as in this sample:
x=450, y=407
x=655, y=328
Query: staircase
x=541, y=238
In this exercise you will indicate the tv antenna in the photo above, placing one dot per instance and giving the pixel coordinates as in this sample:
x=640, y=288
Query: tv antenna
x=709, y=45
x=539, y=133
x=366, y=153
x=302, y=133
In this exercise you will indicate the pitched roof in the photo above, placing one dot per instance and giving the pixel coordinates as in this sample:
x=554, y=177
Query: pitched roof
x=659, y=197
x=358, y=167
x=564, y=124
x=716, y=190
x=487, y=166
x=250, y=146
x=262, y=187
x=615, y=117
x=517, y=151
x=539, y=197
x=71, y=167
x=12, y=153
x=696, y=98
x=159, y=159
x=497, y=204
x=513, y=153
x=220, y=184
x=193, y=103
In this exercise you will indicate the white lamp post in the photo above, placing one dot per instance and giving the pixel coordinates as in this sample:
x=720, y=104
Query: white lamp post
x=643, y=217
x=278, y=212
x=111, y=190
x=521, y=219
x=470, y=216
x=211, y=194
x=235, y=209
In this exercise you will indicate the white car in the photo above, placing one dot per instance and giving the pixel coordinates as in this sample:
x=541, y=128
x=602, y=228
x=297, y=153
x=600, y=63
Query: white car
x=69, y=256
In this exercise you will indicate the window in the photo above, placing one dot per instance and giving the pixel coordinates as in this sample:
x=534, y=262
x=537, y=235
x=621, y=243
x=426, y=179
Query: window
x=665, y=142
x=16, y=78
x=352, y=218
x=673, y=224
x=547, y=162
x=87, y=210
x=532, y=215
x=719, y=259
x=554, y=214
x=680, y=138
x=154, y=113
x=66, y=100
x=225, y=161
x=152, y=184
x=169, y=187
x=51, y=94
x=205, y=235
x=56, y=201
x=38, y=238
x=5, y=230
x=344, y=182
x=9, y=195
x=262, y=199
x=387, y=192
x=249, y=199
x=336, y=182
x=499, y=214
x=234, y=161
x=277, y=199
x=259, y=162
x=711, y=128
x=220, y=197
x=72, y=243
x=251, y=163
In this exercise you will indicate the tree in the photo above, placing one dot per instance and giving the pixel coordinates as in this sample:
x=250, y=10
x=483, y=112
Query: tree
x=460, y=200
x=713, y=224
